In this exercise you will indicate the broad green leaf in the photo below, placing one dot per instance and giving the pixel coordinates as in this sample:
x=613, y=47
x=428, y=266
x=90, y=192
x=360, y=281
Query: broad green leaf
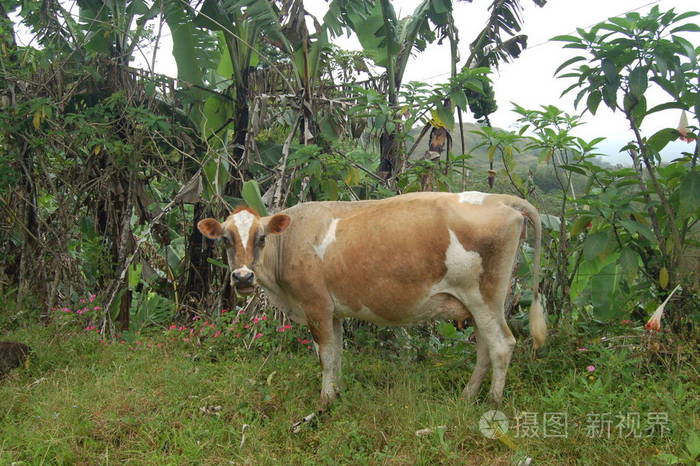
x=251, y=194
x=593, y=101
x=369, y=27
x=134, y=275
x=566, y=38
x=606, y=292
x=661, y=138
x=689, y=27
x=666, y=106
x=610, y=95
x=575, y=169
x=216, y=175
x=550, y=222
x=185, y=42
x=446, y=115
x=216, y=117
x=689, y=193
x=580, y=224
x=595, y=245
x=225, y=66
x=638, y=81
x=639, y=228
x=568, y=62
x=629, y=262
x=610, y=72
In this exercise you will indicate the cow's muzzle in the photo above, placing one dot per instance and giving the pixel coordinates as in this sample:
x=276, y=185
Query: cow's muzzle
x=243, y=279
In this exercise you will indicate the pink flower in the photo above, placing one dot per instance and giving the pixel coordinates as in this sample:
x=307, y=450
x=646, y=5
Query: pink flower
x=182, y=327
x=65, y=309
x=255, y=320
x=263, y=318
x=92, y=297
x=258, y=335
x=195, y=318
x=305, y=341
x=217, y=333
x=281, y=329
x=97, y=308
x=590, y=368
x=172, y=327
x=583, y=348
x=683, y=129
x=626, y=322
x=242, y=311
x=224, y=311
x=287, y=327
x=246, y=326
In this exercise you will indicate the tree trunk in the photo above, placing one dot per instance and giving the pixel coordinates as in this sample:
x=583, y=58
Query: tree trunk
x=198, y=272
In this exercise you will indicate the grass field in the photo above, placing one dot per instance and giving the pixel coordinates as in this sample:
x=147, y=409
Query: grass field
x=155, y=401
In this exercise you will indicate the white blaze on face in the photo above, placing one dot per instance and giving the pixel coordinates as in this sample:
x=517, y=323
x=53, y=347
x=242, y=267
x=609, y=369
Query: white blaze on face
x=328, y=239
x=472, y=197
x=244, y=222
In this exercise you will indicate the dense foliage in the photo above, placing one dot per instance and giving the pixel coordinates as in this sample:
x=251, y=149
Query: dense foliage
x=107, y=168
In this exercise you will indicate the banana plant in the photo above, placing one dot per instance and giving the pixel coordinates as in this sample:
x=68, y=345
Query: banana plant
x=390, y=41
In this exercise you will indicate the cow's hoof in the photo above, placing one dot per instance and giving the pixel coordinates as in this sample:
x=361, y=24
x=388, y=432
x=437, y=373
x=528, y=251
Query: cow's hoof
x=470, y=395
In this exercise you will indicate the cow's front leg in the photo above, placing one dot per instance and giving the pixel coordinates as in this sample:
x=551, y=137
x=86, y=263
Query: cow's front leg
x=328, y=336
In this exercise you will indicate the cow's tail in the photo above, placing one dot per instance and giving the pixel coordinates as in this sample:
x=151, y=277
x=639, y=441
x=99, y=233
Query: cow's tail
x=538, y=325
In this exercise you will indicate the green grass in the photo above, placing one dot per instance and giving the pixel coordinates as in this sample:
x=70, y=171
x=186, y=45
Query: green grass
x=84, y=402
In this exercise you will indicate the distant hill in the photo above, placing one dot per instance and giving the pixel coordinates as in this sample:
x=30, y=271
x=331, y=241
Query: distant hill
x=524, y=159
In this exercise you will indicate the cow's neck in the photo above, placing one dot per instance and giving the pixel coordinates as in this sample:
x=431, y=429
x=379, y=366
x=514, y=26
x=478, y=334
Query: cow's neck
x=269, y=271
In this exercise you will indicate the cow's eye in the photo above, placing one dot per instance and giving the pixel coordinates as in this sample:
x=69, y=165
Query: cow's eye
x=261, y=240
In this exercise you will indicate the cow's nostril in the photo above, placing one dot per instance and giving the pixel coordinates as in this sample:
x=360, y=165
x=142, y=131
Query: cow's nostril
x=243, y=277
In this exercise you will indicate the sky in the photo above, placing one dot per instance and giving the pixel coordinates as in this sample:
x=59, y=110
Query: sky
x=527, y=81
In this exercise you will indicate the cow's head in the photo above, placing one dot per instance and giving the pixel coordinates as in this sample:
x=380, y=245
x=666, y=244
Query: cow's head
x=243, y=234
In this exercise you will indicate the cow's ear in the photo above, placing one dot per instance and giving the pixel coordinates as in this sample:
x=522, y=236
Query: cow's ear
x=211, y=228
x=277, y=224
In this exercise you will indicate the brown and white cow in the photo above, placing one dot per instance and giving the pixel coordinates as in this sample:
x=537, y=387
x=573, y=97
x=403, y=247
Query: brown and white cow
x=396, y=261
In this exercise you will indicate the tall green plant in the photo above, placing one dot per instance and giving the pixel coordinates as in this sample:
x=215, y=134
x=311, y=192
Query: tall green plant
x=649, y=226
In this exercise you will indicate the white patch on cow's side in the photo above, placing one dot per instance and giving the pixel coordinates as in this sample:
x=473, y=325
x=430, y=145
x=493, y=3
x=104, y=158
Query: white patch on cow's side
x=244, y=222
x=462, y=265
x=328, y=239
x=472, y=197
x=464, y=269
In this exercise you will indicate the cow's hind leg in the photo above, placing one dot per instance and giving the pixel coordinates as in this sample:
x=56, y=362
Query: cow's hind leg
x=499, y=343
x=328, y=336
x=483, y=363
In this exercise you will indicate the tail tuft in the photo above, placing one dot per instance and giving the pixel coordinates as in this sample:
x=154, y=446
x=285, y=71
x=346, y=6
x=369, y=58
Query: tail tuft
x=538, y=325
